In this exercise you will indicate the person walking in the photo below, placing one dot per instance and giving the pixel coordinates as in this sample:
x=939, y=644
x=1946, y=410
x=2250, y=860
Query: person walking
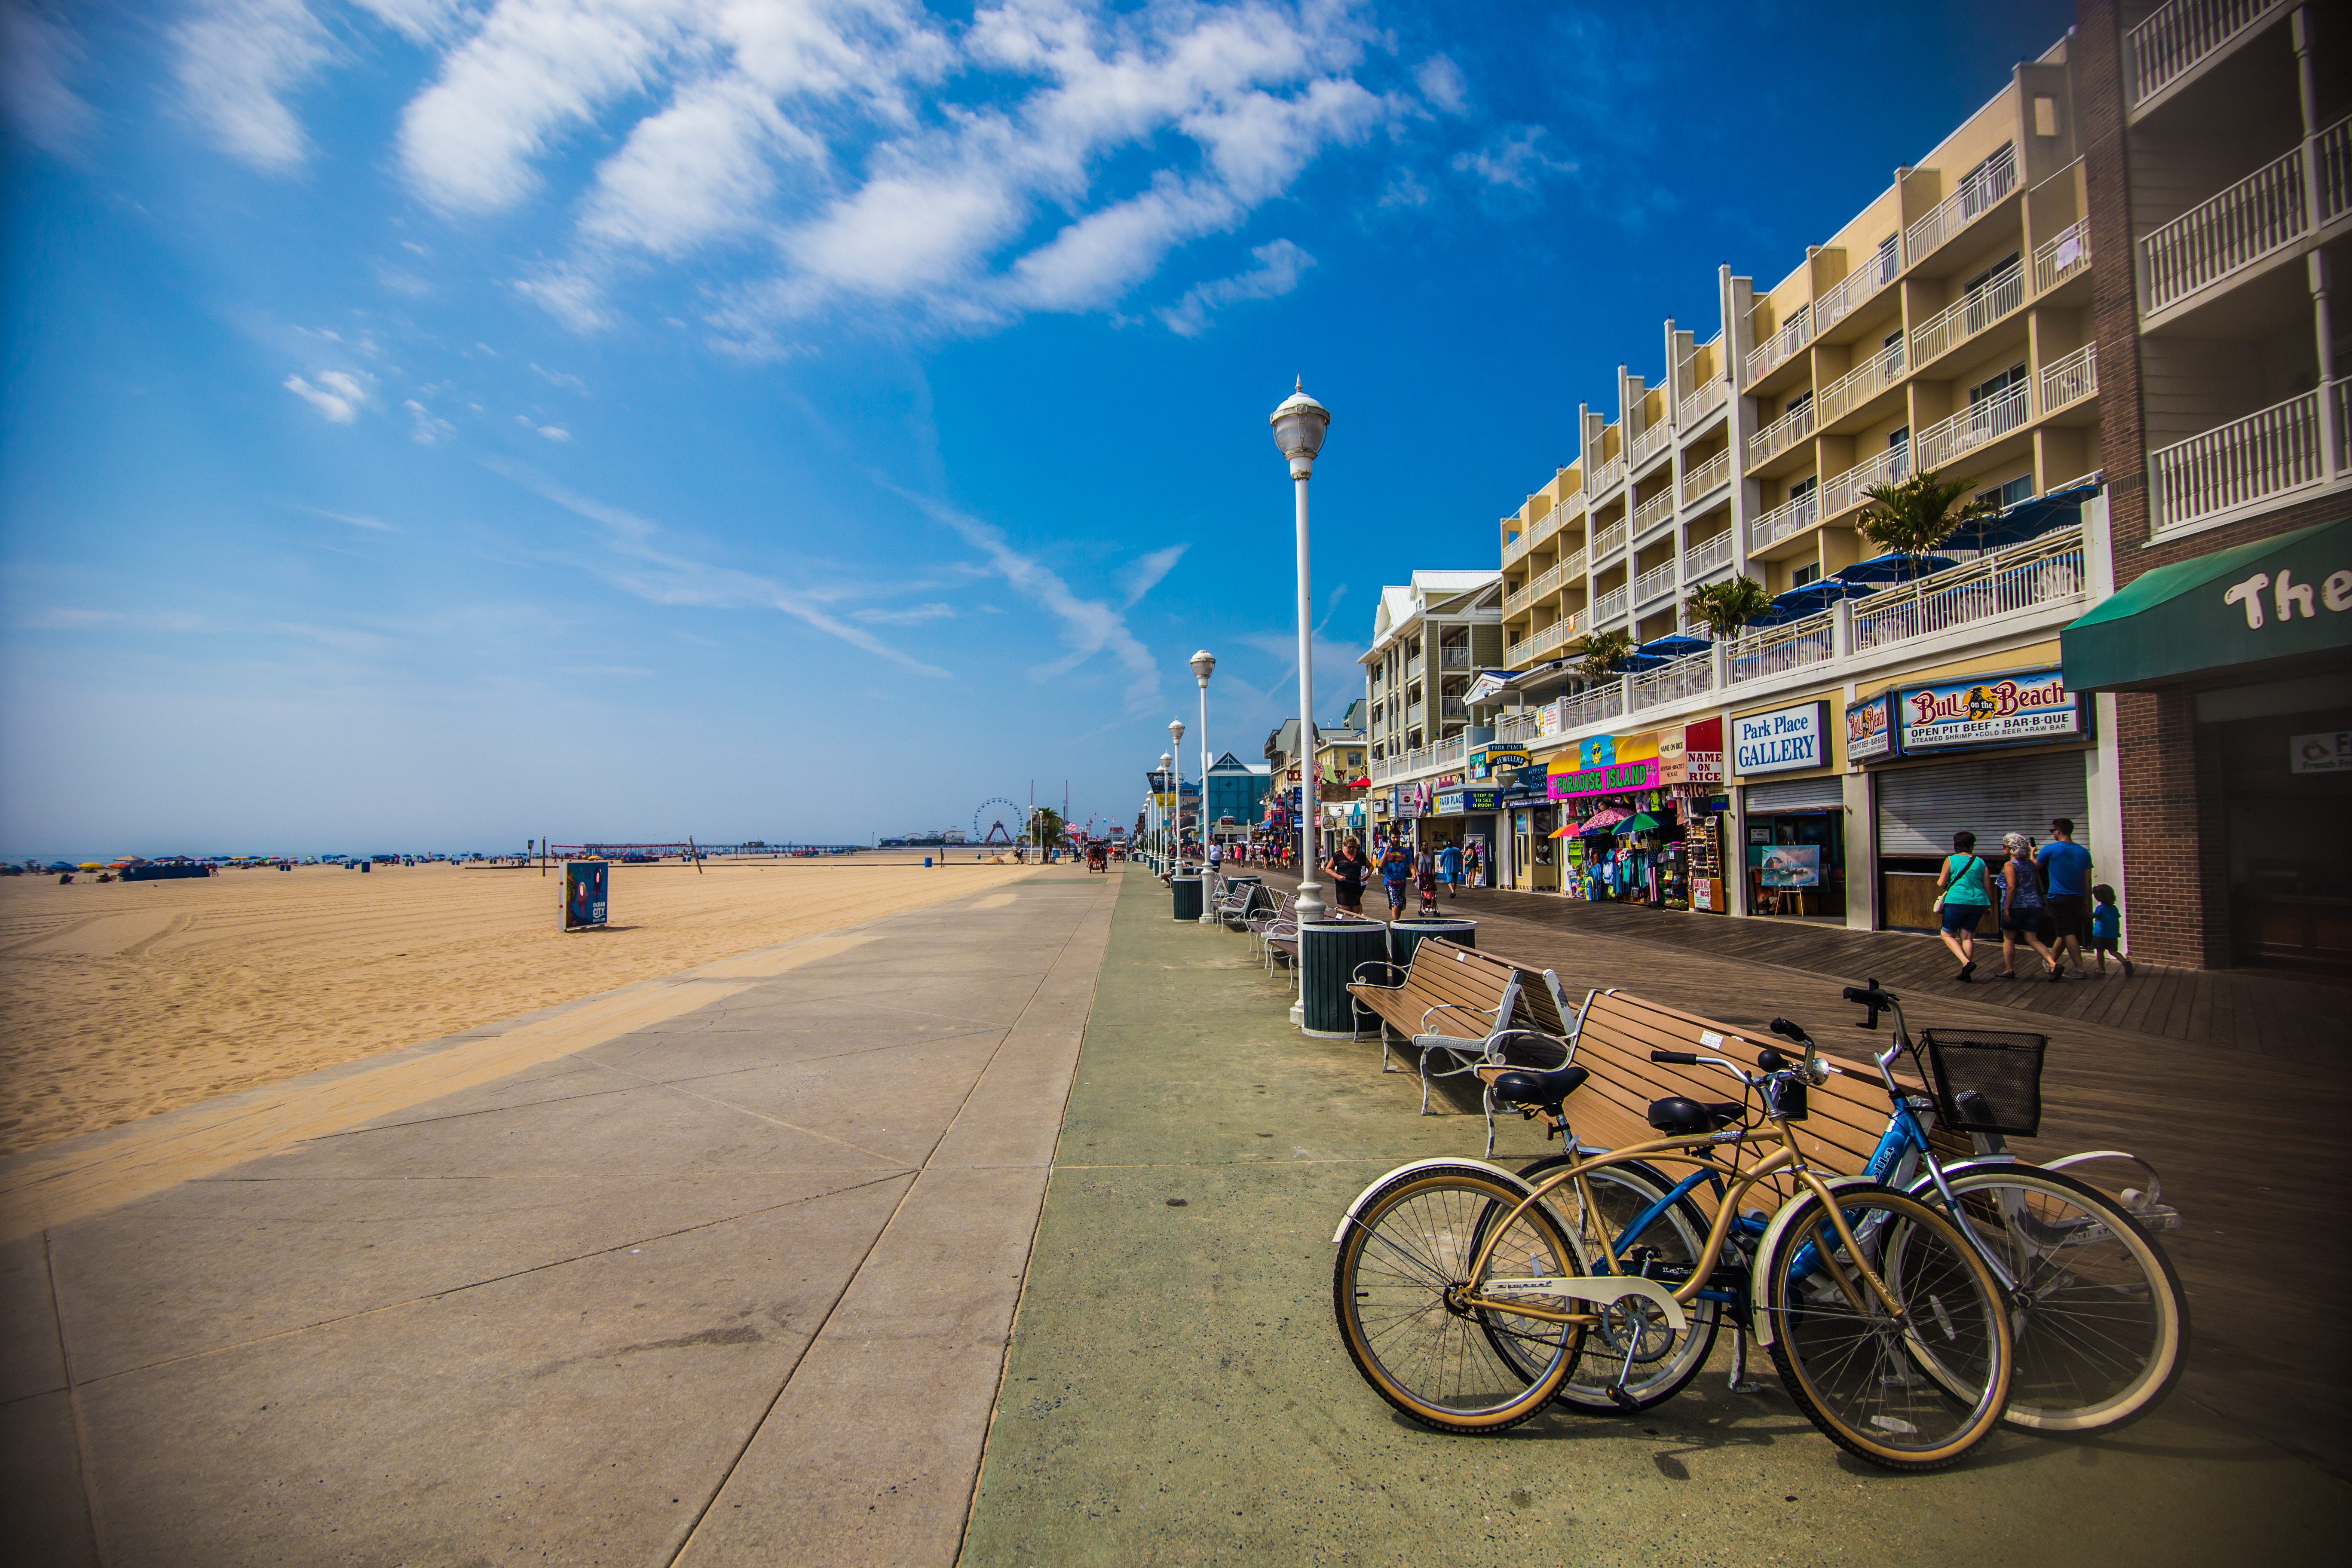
x=2066, y=873
x=1424, y=876
x=2021, y=906
x=1964, y=897
x=1449, y=870
x=1396, y=868
x=1473, y=866
x=1348, y=871
x=2108, y=929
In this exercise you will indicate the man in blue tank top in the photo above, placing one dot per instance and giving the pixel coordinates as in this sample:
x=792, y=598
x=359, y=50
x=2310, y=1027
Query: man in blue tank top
x=2066, y=875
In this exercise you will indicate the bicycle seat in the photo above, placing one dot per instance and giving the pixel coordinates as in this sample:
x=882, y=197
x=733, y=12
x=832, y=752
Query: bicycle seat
x=1690, y=1117
x=1543, y=1090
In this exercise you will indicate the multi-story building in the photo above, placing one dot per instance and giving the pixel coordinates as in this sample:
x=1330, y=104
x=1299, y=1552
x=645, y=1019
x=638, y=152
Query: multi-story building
x=1432, y=636
x=1237, y=793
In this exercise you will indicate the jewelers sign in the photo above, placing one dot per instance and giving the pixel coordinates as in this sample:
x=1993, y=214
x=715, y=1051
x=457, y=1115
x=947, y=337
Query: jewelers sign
x=2001, y=709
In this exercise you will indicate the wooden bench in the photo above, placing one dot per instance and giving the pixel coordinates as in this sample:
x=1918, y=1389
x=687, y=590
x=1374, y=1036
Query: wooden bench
x=1466, y=1007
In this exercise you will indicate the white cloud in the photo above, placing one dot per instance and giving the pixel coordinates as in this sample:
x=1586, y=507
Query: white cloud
x=1441, y=83
x=375, y=524
x=1404, y=191
x=1515, y=157
x=912, y=615
x=1275, y=274
x=420, y=21
x=39, y=55
x=569, y=295
x=236, y=58
x=1143, y=573
x=559, y=378
x=428, y=427
x=339, y=394
x=555, y=432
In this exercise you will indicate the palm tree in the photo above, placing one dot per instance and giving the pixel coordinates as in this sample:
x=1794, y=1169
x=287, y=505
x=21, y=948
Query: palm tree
x=1601, y=652
x=1916, y=516
x=1723, y=607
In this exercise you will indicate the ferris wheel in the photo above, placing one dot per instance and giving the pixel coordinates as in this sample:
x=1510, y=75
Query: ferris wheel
x=996, y=812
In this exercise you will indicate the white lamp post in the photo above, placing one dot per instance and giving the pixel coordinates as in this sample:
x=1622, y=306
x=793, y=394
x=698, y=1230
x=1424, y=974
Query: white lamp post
x=1298, y=426
x=1166, y=786
x=1176, y=794
x=1202, y=663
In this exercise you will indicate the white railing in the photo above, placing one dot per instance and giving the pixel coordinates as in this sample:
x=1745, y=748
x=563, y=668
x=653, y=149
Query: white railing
x=1979, y=193
x=1794, y=336
x=1852, y=291
x=1710, y=396
x=2261, y=214
x=1609, y=541
x=1759, y=656
x=1691, y=675
x=2169, y=44
x=1516, y=599
x=1858, y=386
x=1781, y=434
x=1706, y=555
x=1651, y=585
x=1607, y=701
x=2070, y=380
x=1995, y=416
x=1891, y=467
x=1570, y=566
x=2272, y=453
x=2038, y=574
x=1518, y=726
x=1658, y=509
x=1605, y=478
x=1698, y=481
x=1966, y=317
x=2334, y=154
x=1452, y=708
x=1514, y=548
x=1610, y=606
x=1647, y=442
x=2062, y=256
x=1535, y=645
x=1453, y=656
x=1784, y=519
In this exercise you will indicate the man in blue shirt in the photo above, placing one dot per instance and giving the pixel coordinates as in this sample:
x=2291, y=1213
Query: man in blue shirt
x=2066, y=886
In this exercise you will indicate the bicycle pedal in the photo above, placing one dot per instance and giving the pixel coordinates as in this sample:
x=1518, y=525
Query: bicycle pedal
x=1623, y=1400
x=1746, y=1385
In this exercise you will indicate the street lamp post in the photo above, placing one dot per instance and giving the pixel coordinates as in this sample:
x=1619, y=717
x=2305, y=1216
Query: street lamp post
x=1298, y=426
x=1176, y=794
x=1202, y=663
x=1167, y=787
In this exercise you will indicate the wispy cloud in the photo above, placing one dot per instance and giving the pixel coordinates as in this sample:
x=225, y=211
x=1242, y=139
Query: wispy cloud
x=1514, y=157
x=375, y=524
x=1441, y=83
x=236, y=61
x=1144, y=573
x=39, y=55
x=338, y=395
x=1275, y=274
x=914, y=615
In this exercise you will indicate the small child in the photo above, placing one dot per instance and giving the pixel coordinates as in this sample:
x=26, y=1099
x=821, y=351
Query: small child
x=1425, y=879
x=2108, y=929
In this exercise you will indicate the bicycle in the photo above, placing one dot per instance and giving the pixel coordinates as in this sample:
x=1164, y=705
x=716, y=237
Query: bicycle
x=1906, y=1367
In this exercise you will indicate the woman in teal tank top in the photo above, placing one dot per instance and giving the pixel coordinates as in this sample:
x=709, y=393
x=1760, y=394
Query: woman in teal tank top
x=1967, y=894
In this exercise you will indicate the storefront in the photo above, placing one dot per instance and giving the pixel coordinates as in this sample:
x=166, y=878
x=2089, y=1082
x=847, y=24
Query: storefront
x=1793, y=812
x=1690, y=773
x=1465, y=817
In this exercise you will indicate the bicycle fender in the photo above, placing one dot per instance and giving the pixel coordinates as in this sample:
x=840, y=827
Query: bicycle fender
x=1484, y=1167
x=1767, y=1249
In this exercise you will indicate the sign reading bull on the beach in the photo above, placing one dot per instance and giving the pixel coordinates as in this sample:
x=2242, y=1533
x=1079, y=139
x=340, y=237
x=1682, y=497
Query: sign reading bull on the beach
x=1782, y=740
x=1987, y=710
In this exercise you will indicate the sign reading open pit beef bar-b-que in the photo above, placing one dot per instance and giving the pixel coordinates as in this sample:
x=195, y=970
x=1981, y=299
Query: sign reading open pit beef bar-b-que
x=1983, y=711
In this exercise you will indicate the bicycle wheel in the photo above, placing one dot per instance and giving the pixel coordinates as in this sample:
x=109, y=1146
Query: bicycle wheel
x=1912, y=1389
x=2096, y=1315
x=1663, y=1361
x=1397, y=1288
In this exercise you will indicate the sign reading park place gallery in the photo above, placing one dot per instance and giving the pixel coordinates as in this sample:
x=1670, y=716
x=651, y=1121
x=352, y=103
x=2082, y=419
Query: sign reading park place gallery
x=1609, y=778
x=1782, y=740
x=2001, y=709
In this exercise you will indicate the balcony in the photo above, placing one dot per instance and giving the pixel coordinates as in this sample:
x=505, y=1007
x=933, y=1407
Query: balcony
x=1607, y=701
x=1536, y=644
x=2004, y=411
x=2061, y=256
x=2070, y=380
x=1653, y=584
x=1710, y=396
x=1608, y=607
x=1648, y=442
x=1518, y=599
x=1979, y=193
x=2174, y=41
x=1515, y=548
x=1659, y=509
x=1453, y=656
x=2298, y=444
x=1762, y=655
x=1891, y=467
x=1860, y=384
x=1606, y=477
x=1854, y=291
x=2259, y=216
x=1772, y=352
x=1781, y=434
x=1452, y=708
x=1699, y=481
x=1967, y=316
x=1783, y=520
x=1519, y=726
x=1706, y=555
x=1609, y=542
x=2040, y=574
x=1690, y=677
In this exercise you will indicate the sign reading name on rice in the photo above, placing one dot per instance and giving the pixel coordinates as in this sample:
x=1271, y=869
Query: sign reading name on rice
x=1995, y=711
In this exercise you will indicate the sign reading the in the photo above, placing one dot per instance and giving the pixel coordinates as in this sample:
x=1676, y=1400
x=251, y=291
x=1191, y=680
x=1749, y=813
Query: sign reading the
x=2033, y=706
x=1870, y=727
x=1782, y=740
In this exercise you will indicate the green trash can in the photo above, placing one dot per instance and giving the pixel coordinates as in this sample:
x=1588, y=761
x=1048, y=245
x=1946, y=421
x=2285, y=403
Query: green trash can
x=1328, y=953
x=1404, y=935
x=1188, y=899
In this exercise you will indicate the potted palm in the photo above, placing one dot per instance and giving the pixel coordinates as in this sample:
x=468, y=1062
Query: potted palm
x=1601, y=652
x=1914, y=516
x=1723, y=607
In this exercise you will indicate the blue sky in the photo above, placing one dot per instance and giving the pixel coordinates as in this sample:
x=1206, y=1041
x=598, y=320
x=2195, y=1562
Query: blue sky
x=433, y=423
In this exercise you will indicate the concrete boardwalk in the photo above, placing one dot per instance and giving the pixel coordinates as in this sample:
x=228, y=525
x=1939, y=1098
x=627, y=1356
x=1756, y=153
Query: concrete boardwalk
x=1176, y=1391
x=715, y=1269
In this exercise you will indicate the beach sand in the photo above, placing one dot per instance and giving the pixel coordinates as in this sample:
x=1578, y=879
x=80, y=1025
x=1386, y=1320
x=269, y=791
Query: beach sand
x=123, y=1000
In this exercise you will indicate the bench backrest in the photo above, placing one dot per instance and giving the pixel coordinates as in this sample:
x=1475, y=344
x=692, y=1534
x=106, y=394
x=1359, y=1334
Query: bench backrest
x=1443, y=971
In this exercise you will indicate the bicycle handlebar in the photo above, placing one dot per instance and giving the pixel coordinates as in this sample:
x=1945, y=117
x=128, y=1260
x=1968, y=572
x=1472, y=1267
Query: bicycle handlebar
x=1679, y=1059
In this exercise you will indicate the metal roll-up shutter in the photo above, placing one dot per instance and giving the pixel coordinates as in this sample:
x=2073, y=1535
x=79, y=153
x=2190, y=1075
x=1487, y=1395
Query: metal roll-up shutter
x=1796, y=794
x=1920, y=809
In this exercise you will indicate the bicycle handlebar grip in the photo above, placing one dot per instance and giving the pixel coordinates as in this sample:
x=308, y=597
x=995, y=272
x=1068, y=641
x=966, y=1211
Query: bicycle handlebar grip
x=1869, y=996
x=1682, y=1059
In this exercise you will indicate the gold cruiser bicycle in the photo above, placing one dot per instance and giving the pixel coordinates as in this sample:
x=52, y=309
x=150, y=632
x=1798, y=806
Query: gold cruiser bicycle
x=1466, y=1302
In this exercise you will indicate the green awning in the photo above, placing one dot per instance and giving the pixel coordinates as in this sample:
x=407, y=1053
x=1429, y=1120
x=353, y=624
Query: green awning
x=2290, y=594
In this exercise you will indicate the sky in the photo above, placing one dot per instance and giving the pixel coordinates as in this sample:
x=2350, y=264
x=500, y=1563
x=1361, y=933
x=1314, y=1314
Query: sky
x=435, y=424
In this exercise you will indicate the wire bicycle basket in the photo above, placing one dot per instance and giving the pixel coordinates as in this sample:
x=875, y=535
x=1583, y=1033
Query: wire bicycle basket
x=1987, y=1081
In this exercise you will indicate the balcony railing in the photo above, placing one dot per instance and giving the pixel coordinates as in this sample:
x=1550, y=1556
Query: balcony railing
x=2258, y=216
x=1647, y=442
x=1515, y=548
x=1514, y=599
x=1708, y=396
x=1852, y=291
x=1794, y=336
x=2070, y=380
x=1452, y=708
x=1453, y=656
x=1518, y=726
x=1570, y=566
x=1858, y=386
x=1535, y=645
x=1989, y=420
x=2170, y=43
x=2061, y=256
x=1762, y=655
x=1607, y=701
x=1610, y=606
x=1656, y=582
x=1706, y=555
x=1967, y=316
x=1891, y=467
x=1979, y=193
x=1698, y=481
x=2039, y=574
x=2280, y=450
x=1605, y=478
x=1689, y=677
x=1609, y=541
x=1781, y=434
x=2334, y=153
x=1783, y=520
x=1658, y=509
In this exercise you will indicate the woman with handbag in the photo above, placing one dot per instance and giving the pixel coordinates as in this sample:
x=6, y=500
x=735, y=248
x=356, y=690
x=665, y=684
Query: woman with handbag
x=2023, y=907
x=1966, y=895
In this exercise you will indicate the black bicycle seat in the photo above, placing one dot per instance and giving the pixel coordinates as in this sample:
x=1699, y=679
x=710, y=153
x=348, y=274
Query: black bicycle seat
x=1545, y=1091
x=1688, y=1118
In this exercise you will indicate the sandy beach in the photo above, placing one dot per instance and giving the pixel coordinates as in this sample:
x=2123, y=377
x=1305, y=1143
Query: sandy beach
x=121, y=1000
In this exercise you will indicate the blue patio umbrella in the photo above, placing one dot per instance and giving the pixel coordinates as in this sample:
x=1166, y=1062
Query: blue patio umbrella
x=1636, y=662
x=1893, y=568
x=1675, y=645
x=1810, y=600
x=2026, y=520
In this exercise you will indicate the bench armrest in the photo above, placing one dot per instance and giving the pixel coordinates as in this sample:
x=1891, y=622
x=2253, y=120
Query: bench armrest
x=1455, y=1008
x=1395, y=969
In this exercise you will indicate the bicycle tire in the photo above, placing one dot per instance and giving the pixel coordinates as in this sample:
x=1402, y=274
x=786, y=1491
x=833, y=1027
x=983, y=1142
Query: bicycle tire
x=1408, y=1248
x=1677, y=1235
x=1857, y=1375
x=2088, y=1357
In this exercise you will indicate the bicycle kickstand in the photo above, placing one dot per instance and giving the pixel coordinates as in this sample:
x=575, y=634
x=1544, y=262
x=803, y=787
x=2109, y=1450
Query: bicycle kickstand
x=1740, y=1381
